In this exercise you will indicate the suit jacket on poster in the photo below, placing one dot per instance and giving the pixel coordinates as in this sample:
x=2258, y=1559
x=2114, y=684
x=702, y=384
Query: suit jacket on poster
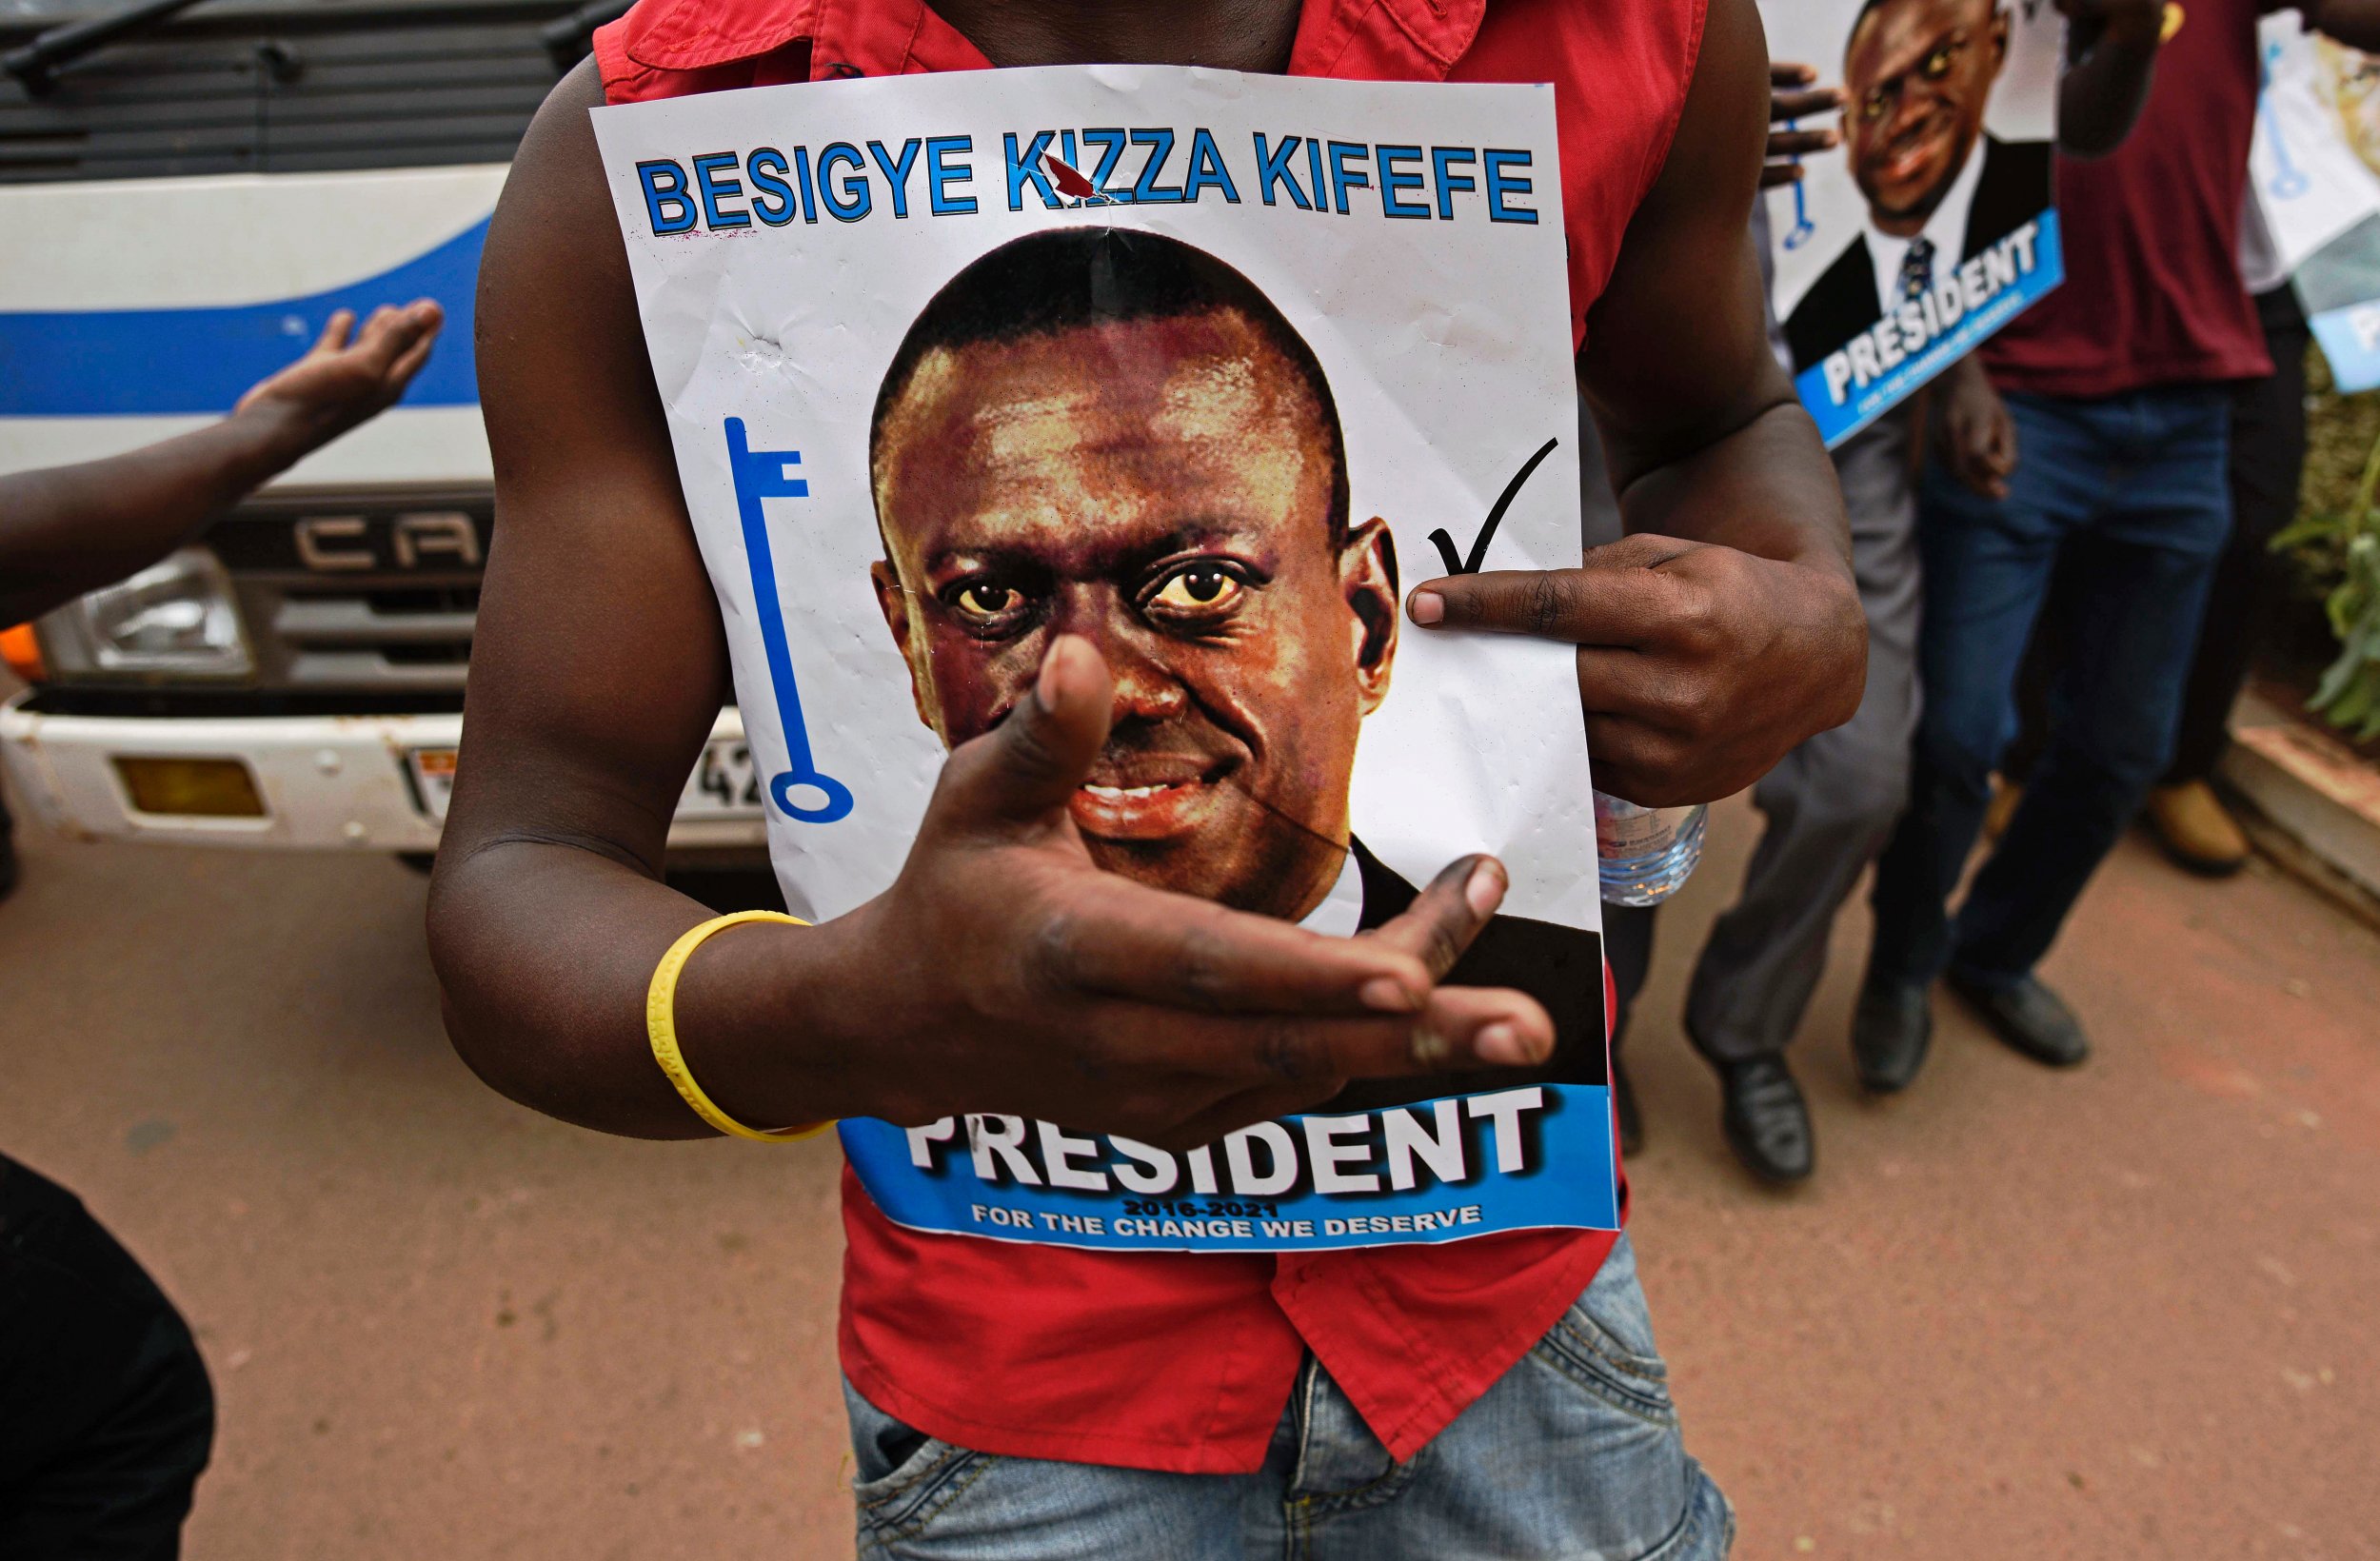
x=2012, y=189
x=1561, y=967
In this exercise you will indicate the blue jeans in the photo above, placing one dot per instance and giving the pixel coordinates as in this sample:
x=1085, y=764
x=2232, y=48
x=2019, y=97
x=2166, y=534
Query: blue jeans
x=1575, y=1453
x=2140, y=485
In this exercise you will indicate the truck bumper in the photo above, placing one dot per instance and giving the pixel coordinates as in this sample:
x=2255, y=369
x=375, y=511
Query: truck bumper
x=327, y=782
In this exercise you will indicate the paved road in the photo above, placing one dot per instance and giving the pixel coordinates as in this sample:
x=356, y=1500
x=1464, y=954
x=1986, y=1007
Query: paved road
x=2121, y=1313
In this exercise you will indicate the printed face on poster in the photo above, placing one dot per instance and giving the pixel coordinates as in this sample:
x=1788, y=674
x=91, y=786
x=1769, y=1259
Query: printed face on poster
x=1206, y=369
x=1932, y=226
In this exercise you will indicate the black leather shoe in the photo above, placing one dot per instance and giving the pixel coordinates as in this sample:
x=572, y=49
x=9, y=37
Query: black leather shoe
x=1767, y=1123
x=1624, y=1107
x=1889, y=1032
x=2031, y=1018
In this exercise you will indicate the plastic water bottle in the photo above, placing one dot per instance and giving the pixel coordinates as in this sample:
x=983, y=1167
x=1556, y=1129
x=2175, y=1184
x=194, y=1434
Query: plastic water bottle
x=1646, y=851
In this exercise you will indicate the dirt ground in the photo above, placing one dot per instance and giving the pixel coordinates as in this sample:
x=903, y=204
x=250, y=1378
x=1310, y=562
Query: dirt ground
x=2125, y=1313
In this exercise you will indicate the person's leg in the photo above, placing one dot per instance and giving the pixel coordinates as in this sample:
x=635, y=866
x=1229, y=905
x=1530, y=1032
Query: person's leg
x=1628, y=949
x=1831, y=803
x=2118, y=699
x=2268, y=459
x=105, y=1416
x=1986, y=565
x=921, y=1499
x=1829, y=806
x=1575, y=1452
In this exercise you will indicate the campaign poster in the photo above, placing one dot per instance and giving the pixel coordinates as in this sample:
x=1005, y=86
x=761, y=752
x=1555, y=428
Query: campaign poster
x=2314, y=189
x=1932, y=225
x=1208, y=368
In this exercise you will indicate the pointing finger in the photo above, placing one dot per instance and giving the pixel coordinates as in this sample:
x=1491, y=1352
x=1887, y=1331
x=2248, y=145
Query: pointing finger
x=1111, y=935
x=1444, y=917
x=1459, y=1028
x=1584, y=606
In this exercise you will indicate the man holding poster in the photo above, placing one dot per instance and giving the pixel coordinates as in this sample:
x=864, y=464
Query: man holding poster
x=2118, y=394
x=1830, y=805
x=1129, y=1270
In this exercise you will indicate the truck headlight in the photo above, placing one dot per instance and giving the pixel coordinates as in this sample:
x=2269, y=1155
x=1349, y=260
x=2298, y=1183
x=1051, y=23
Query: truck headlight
x=175, y=616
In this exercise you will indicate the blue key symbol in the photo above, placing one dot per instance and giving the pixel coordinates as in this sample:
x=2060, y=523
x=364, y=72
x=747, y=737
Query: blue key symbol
x=760, y=475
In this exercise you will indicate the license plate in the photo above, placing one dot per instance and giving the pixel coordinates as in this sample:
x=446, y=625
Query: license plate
x=434, y=778
x=724, y=784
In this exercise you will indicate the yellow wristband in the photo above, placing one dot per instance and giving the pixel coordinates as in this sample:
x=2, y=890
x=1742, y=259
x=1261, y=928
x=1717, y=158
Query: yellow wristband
x=660, y=1026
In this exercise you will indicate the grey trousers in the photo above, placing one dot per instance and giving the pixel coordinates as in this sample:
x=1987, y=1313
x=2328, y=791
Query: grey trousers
x=1829, y=806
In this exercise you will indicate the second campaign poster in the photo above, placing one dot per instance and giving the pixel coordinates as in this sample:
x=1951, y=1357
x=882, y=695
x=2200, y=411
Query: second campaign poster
x=2314, y=188
x=1933, y=225
x=1210, y=369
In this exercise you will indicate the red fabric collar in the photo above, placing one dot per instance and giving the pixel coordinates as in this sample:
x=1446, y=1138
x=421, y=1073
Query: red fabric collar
x=1407, y=39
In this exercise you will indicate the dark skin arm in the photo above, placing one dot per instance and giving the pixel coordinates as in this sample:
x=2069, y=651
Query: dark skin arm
x=1001, y=972
x=2354, y=23
x=2114, y=46
x=65, y=531
x=1725, y=629
x=2113, y=55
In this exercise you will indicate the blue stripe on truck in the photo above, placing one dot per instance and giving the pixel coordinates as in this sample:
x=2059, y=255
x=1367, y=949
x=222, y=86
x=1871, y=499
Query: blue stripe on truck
x=152, y=362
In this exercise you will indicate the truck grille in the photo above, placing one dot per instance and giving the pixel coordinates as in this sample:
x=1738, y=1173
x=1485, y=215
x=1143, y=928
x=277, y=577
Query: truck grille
x=358, y=597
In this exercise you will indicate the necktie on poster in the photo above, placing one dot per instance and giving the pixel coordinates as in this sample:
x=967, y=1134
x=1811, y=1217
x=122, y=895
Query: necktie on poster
x=1933, y=225
x=1208, y=368
x=1917, y=271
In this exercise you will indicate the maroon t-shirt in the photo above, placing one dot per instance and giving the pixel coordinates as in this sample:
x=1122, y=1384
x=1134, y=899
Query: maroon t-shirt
x=2152, y=293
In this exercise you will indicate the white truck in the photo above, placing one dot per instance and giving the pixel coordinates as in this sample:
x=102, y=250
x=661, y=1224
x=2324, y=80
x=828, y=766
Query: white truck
x=183, y=202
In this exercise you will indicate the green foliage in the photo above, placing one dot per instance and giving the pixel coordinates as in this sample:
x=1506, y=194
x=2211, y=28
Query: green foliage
x=2339, y=434
x=2340, y=547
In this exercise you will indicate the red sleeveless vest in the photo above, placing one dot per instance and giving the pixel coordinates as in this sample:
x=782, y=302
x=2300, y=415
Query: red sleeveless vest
x=1176, y=1361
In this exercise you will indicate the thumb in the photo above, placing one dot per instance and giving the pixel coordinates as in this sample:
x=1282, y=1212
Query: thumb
x=1029, y=764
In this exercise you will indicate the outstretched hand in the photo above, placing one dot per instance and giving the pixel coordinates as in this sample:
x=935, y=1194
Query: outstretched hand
x=1027, y=981
x=340, y=382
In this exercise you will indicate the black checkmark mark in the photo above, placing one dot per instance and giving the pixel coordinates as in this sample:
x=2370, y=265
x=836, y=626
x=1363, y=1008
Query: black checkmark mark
x=1456, y=563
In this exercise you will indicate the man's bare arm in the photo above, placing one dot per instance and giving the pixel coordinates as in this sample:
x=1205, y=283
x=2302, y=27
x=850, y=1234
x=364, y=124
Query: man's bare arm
x=1001, y=972
x=597, y=665
x=2113, y=44
x=1726, y=629
x=65, y=531
x=2354, y=23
